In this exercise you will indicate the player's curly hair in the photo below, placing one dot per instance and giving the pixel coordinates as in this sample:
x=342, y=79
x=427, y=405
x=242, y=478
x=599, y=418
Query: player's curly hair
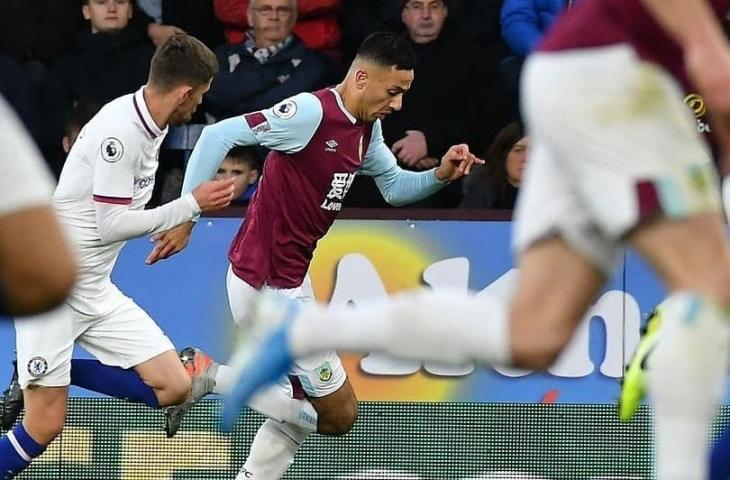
x=389, y=50
x=182, y=59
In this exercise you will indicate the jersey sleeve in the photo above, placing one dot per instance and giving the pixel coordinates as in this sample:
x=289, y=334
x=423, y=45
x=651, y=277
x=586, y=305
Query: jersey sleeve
x=115, y=160
x=398, y=186
x=24, y=180
x=289, y=125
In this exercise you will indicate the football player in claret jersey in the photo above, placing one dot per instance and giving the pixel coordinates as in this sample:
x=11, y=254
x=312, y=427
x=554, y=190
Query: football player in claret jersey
x=319, y=141
x=615, y=159
x=100, y=198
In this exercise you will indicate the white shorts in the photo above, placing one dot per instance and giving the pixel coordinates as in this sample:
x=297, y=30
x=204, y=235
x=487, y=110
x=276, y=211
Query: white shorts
x=320, y=374
x=611, y=144
x=117, y=332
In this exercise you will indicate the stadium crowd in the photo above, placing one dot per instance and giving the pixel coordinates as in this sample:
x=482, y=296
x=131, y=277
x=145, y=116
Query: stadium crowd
x=61, y=60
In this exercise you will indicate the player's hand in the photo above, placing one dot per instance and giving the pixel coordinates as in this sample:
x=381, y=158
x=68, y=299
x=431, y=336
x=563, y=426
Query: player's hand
x=170, y=242
x=215, y=194
x=456, y=163
x=411, y=148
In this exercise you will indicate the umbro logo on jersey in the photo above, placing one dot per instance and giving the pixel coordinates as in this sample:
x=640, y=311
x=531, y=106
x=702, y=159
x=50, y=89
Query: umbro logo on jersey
x=331, y=146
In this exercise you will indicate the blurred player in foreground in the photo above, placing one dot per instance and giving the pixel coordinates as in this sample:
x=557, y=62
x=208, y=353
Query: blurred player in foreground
x=616, y=160
x=319, y=142
x=37, y=268
x=100, y=198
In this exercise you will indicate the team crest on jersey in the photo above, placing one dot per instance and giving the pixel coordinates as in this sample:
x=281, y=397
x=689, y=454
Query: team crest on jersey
x=37, y=366
x=111, y=150
x=325, y=372
x=285, y=110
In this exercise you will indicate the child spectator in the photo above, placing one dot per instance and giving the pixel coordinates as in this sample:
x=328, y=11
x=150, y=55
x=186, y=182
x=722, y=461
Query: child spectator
x=241, y=163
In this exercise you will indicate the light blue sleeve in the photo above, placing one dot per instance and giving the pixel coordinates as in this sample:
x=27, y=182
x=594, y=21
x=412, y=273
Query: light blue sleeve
x=398, y=186
x=287, y=127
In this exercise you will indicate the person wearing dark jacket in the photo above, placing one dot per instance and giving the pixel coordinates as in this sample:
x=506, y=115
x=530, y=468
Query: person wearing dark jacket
x=495, y=184
x=453, y=99
x=271, y=64
x=107, y=61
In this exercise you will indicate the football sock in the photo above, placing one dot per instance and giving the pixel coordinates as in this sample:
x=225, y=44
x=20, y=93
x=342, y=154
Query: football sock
x=450, y=327
x=688, y=371
x=17, y=450
x=272, y=451
x=274, y=402
x=113, y=381
x=720, y=456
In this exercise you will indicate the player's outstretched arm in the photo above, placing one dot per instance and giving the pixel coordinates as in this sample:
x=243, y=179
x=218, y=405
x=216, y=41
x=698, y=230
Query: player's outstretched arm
x=210, y=196
x=401, y=187
x=117, y=222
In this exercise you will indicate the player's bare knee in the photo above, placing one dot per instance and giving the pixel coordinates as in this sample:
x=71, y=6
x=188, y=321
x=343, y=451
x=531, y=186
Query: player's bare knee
x=338, y=422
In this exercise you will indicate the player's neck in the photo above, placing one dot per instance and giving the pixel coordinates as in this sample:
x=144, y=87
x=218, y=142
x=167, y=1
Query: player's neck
x=348, y=99
x=158, y=108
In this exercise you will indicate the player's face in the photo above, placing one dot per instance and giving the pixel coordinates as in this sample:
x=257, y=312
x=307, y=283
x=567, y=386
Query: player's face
x=190, y=99
x=424, y=19
x=516, y=161
x=383, y=92
x=108, y=15
x=242, y=172
x=272, y=20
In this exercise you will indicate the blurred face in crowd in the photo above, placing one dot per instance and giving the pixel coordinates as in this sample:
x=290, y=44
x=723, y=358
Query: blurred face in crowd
x=516, y=161
x=271, y=20
x=424, y=19
x=189, y=100
x=241, y=171
x=381, y=89
x=107, y=16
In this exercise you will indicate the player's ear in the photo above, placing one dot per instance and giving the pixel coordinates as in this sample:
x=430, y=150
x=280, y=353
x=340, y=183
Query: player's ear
x=361, y=78
x=254, y=177
x=186, y=91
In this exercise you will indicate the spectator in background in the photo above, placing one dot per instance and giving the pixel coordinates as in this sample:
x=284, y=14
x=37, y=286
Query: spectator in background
x=523, y=24
x=525, y=21
x=430, y=121
x=36, y=33
x=360, y=18
x=195, y=17
x=241, y=163
x=109, y=59
x=20, y=92
x=271, y=64
x=496, y=184
x=318, y=26
x=78, y=117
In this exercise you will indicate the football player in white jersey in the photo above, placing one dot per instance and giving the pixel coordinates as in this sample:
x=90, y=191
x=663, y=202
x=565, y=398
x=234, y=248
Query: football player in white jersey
x=37, y=268
x=104, y=186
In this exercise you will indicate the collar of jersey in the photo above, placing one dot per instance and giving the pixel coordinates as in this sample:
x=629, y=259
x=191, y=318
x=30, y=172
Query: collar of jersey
x=144, y=115
x=338, y=98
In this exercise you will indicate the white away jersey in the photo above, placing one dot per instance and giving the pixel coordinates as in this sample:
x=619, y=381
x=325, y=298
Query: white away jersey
x=24, y=179
x=114, y=161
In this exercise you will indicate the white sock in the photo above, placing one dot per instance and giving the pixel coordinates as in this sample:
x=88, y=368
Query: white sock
x=442, y=326
x=272, y=451
x=274, y=402
x=687, y=381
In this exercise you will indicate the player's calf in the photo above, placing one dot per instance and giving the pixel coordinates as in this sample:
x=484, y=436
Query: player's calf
x=336, y=412
x=167, y=377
